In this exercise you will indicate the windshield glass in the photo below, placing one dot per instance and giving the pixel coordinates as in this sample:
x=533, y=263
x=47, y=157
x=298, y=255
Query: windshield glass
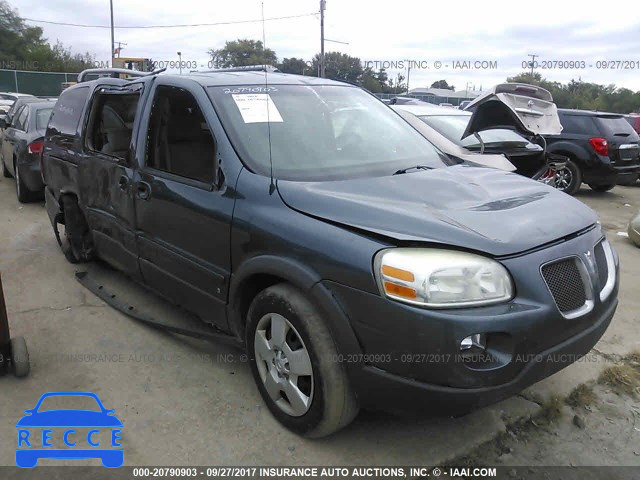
x=319, y=132
x=42, y=118
x=453, y=126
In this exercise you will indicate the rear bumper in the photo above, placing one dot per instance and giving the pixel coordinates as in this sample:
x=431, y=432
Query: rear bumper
x=611, y=174
x=379, y=389
x=31, y=176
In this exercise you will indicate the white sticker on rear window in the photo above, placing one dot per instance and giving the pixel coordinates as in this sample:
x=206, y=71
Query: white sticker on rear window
x=257, y=107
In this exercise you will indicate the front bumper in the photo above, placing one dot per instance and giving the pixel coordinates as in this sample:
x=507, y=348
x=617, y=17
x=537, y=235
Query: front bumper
x=412, y=358
x=379, y=389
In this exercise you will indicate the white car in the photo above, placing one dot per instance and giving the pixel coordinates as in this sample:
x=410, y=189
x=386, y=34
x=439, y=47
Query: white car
x=494, y=134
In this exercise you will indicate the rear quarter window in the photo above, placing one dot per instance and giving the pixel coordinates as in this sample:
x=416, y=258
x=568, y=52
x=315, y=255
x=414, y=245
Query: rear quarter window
x=580, y=124
x=616, y=127
x=67, y=111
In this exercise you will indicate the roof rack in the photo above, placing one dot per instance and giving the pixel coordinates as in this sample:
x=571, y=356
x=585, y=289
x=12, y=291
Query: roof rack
x=116, y=72
x=246, y=68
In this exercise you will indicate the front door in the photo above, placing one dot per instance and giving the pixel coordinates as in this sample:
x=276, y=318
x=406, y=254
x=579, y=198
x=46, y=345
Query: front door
x=183, y=209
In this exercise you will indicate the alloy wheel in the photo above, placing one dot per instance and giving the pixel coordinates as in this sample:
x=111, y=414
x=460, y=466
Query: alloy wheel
x=564, y=177
x=284, y=364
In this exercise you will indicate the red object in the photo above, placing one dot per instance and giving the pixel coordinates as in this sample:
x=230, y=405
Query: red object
x=600, y=145
x=36, y=147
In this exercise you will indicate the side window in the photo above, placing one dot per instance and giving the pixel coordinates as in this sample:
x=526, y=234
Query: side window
x=111, y=123
x=66, y=113
x=580, y=124
x=20, y=122
x=179, y=140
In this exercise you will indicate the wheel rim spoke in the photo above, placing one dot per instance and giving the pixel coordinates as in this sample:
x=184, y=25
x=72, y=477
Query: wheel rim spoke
x=261, y=346
x=278, y=330
x=299, y=361
x=272, y=387
x=299, y=401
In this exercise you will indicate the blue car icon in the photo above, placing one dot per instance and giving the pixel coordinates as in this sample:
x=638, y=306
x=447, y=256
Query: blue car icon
x=32, y=447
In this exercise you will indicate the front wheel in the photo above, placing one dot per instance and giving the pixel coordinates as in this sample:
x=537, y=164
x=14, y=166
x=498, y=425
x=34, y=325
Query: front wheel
x=601, y=188
x=294, y=363
x=568, y=178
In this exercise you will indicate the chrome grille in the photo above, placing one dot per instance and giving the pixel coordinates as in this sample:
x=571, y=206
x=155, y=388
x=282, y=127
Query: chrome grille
x=566, y=284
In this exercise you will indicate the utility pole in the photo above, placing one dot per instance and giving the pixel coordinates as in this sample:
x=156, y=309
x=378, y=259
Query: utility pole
x=323, y=5
x=408, y=76
x=113, y=44
x=180, y=61
x=120, y=47
x=532, y=62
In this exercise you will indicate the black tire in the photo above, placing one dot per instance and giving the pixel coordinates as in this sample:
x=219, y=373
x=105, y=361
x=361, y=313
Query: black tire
x=20, y=357
x=601, y=188
x=569, y=178
x=331, y=401
x=5, y=173
x=22, y=191
x=76, y=242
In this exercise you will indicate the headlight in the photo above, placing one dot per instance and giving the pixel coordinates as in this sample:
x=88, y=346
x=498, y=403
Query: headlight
x=438, y=278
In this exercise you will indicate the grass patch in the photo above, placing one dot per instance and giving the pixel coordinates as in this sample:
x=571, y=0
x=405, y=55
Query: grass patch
x=633, y=359
x=581, y=396
x=551, y=409
x=623, y=378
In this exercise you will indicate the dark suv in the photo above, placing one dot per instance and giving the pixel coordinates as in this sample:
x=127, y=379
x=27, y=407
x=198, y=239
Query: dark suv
x=358, y=264
x=603, y=150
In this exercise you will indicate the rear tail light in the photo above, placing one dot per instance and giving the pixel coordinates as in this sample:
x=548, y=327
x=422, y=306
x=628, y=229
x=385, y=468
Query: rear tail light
x=36, y=147
x=600, y=145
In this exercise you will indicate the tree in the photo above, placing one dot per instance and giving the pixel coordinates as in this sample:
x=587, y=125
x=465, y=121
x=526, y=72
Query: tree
x=442, y=84
x=24, y=47
x=296, y=65
x=242, y=52
x=340, y=66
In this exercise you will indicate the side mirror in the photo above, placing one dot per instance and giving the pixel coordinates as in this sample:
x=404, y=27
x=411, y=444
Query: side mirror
x=3, y=122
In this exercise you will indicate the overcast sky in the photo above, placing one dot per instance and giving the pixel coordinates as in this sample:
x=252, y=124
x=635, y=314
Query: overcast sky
x=426, y=32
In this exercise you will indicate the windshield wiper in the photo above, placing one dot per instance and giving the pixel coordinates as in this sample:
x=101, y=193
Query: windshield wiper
x=417, y=167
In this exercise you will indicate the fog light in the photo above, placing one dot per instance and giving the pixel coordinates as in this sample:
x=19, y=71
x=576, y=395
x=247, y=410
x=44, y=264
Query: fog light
x=477, y=340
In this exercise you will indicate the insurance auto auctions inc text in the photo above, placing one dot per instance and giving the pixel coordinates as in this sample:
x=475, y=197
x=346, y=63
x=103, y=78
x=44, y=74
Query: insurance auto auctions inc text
x=371, y=472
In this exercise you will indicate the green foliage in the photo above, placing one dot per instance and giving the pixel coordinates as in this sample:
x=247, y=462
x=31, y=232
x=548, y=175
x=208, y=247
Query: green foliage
x=340, y=66
x=242, y=52
x=442, y=84
x=585, y=95
x=24, y=47
x=297, y=66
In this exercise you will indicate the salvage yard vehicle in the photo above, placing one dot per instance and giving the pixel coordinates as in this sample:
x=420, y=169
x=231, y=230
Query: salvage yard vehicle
x=603, y=150
x=359, y=265
x=21, y=148
x=499, y=147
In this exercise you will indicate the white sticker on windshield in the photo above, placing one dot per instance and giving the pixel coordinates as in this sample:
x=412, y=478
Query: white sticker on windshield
x=257, y=107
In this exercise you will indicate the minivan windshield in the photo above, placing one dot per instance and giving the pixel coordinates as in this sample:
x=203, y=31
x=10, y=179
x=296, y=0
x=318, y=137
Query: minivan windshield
x=315, y=133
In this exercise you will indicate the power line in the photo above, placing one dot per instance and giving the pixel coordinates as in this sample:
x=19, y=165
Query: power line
x=170, y=26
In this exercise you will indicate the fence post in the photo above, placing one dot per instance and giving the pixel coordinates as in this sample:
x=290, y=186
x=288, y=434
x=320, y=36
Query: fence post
x=15, y=77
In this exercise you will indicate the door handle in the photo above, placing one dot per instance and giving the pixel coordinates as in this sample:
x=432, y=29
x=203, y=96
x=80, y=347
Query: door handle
x=123, y=183
x=143, y=190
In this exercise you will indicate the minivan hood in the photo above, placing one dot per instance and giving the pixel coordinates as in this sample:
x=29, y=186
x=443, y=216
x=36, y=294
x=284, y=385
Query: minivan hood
x=482, y=209
x=528, y=109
